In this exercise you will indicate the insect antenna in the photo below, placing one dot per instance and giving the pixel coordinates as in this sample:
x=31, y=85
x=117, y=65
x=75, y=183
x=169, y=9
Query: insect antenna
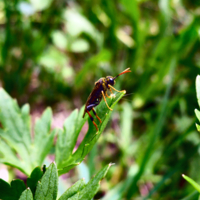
x=125, y=71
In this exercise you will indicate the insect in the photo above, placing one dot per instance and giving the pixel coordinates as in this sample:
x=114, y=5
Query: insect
x=100, y=91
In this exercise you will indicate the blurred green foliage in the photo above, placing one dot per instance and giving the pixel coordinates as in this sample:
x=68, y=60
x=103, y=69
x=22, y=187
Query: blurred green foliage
x=53, y=51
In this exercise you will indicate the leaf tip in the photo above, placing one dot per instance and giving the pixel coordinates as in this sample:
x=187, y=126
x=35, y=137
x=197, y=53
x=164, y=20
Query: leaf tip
x=183, y=175
x=110, y=164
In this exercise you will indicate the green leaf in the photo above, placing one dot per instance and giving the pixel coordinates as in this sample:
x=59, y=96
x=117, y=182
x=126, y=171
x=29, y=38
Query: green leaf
x=43, y=138
x=78, y=186
x=16, y=130
x=88, y=142
x=35, y=176
x=192, y=182
x=197, y=114
x=198, y=89
x=16, y=147
x=92, y=136
x=48, y=187
x=67, y=138
x=4, y=189
x=12, y=191
x=26, y=195
x=198, y=127
x=92, y=187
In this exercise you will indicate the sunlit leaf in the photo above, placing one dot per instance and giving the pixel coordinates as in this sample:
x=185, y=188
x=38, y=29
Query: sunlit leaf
x=192, y=182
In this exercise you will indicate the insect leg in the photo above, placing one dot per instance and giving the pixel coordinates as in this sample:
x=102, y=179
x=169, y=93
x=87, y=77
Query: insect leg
x=110, y=90
x=96, y=115
x=105, y=100
x=92, y=120
x=114, y=88
x=107, y=95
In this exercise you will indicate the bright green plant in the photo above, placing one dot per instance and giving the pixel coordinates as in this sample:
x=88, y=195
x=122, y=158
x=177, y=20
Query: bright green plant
x=46, y=186
x=16, y=144
x=197, y=112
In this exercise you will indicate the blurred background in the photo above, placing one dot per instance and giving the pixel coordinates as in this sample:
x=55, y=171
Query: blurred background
x=53, y=51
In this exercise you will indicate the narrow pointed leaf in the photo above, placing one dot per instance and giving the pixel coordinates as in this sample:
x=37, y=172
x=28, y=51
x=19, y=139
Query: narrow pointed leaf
x=48, y=187
x=43, y=138
x=35, y=176
x=192, y=182
x=26, y=195
x=15, y=129
x=92, y=187
x=92, y=135
x=16, y=147
x=68, y=137
x=77, y=187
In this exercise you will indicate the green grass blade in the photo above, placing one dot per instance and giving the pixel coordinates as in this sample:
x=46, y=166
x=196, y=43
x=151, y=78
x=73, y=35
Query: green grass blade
x=192, y=182
x=154, y=133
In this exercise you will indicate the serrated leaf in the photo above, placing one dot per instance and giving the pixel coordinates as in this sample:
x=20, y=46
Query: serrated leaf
x=48, y=187
x=16, y=147
x=92, y=187
x=67, y=168
x=198, y=89
x=15, y=130
x=78, y=186
x=26, y=195
x=35, y=176
x=90, y=138
x=67, y=138
x=192, y=182
x=7, y=156
x=12, y=191
x=43, y=138
x=65, y=141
